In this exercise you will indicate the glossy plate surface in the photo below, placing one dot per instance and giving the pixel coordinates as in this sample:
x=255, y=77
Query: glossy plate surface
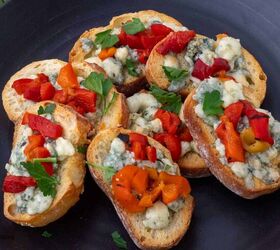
x=34, y=30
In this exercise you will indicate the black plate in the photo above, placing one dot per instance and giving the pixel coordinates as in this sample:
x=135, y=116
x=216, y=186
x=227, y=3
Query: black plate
x=36, y=30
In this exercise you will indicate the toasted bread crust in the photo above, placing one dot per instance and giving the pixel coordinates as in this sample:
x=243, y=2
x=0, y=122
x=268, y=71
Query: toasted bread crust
x=205, y=140
x=254, y=92
x=72, y=170
x=133, y=84
x=154, y=239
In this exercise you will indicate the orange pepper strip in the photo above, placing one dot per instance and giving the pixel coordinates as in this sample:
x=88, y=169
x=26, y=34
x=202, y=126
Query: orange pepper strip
x=152, y=172
x=170, y=193
x=34, y=141
x=108, y=52
x=231, y=139
x=67, y=77
x=149, y=198
x=140, y=181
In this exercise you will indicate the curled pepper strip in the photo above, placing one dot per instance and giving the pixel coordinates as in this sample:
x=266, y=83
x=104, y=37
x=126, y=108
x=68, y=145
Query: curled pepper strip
x=250, y=144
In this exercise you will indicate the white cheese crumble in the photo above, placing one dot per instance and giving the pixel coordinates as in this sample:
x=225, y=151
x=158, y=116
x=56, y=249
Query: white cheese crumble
x=157, y=216
x=140, y=101
x=121, y=54
x=232, y=92
x=171, y=61
x=63, y=148
x=207, y=56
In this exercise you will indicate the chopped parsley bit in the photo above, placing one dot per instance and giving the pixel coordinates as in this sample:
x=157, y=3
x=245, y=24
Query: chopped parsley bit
x=131, y=67
x=170, y=101
x=118, y=240
x=108, y=171
x=105, y=39
x=212, y=103
x=114, y=98
x=49, y=109
x=174, y=74
x=133, y=26
x=46, y=234
x=82, y=149
x=46, y=183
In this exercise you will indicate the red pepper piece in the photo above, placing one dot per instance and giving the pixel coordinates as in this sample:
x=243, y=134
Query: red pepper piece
x=234, y=112
x=143, y=55
x=76, y=107
x=47, y=91
x=21, y=85
x=133, y=41
x=60, y=96
x=17, y=184
x=42, y=78
x=185, y=135
x=160, y=137
x=175, y=42
x=33, y=142
x=86, y=99
x=170, y=121
x=149, y=40
x=39, y=152
x=160, y=29
x=173, y=144
x=202, y=70
x=45, y=127
x=135, y=137
x=139, y=150
x=151, y=153
x=33, y=94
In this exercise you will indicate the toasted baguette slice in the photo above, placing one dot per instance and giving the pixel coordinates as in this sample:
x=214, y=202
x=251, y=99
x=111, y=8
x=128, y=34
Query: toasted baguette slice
x=254, y=86
x=71, y=170
x=15, y=104
x=131, y=84
x=205, y=140
x=144, y=239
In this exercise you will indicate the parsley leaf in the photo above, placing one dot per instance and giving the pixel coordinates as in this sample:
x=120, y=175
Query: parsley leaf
x=119, y=241
x=174, y=74
x=134, y=26
x=46, y=183
x=105, y=39
x=108, y=171
x=131, y=67
x=49, y=109
x=170, y=101
x=82, y=149
x=46, y=234
x=212, y=103
x=114, y=97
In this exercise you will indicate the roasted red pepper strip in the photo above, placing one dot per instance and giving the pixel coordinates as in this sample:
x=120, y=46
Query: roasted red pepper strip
x=231, y=140
x=170, y=121
x=21, y=85
x=17, y=184
x=185, y=135
x=34, y=141
x=60, y=96
x=143, y=55
x=32, y=93
x=203, y=71
x=139, y=150
x=135, y=137
x=47, y=91
x=175, y=42
x=151, y=153
x=85, y=99
x=234, y=112
x=45, y=127
x=160, y=29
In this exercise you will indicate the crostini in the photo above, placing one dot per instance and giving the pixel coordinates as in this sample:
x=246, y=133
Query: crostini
x=46, y=169
x=240, y=143
x=81, y=86
x=139, y=177
x=156, y=114
x=183, y=59
x=123, y=47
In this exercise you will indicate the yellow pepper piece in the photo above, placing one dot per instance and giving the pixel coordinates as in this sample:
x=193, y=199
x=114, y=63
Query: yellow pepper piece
x=250, y=144
x=105, y=53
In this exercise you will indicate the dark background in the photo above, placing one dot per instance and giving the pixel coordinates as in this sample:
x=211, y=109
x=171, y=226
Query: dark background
x=41, y=29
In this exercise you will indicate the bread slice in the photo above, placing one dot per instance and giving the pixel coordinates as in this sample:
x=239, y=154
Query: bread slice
x=254, y=87
x=205, y=140
x=71, y=170
x=144, y=239
x=131, y=84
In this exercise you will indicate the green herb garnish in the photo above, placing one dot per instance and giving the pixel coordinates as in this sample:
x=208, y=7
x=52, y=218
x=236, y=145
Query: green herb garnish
x=82, y=149
x=212, y=103
x=131, y=67
x=174, y=74
x=170, y=101
x=49, y=159
x=96, y=82
x=134, y=26
x=105, y=39
x=46, y=183
x=118, y=240
x=49, y=109
x=46, y=234
x=108, y=171
x=114, y=98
